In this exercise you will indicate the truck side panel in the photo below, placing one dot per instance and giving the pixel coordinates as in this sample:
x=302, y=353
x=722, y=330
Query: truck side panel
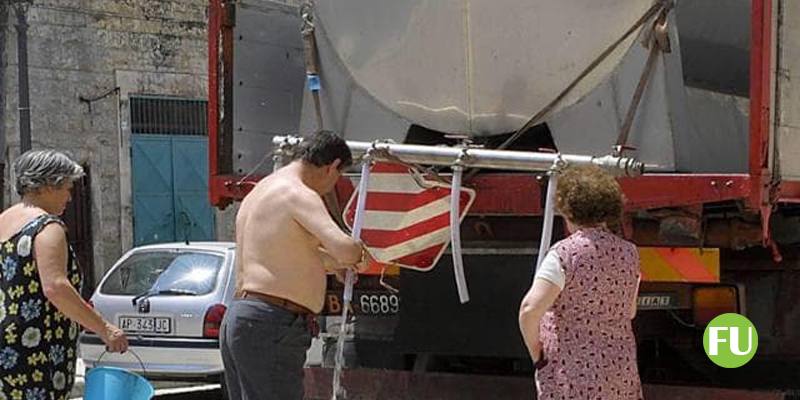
x=268, y=78
x=787, y=109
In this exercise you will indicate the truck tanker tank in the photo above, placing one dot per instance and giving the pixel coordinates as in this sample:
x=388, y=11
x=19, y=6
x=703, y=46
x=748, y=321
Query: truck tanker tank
x=483, y=67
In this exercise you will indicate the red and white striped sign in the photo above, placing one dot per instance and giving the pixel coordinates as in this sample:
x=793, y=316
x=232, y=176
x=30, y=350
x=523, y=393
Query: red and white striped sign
x=406, y=224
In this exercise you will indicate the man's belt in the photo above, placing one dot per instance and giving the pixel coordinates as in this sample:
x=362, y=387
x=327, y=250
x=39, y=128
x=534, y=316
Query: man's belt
x=278, y=302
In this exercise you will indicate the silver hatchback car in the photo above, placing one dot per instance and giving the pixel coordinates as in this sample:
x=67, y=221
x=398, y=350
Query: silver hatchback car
x=170, y=300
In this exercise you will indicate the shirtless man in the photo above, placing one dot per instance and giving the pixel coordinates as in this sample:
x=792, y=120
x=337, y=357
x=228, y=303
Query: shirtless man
x=285, y=239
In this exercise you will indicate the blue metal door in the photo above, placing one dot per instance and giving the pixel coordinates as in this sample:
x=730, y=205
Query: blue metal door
x=170, y=186
x=194, y=218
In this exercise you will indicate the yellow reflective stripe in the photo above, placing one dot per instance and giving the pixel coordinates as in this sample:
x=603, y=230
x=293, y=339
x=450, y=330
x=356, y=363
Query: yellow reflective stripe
x=657, y=267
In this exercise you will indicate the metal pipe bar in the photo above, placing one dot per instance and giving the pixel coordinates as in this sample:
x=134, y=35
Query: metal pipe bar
x=22, y=78
x=479, y=158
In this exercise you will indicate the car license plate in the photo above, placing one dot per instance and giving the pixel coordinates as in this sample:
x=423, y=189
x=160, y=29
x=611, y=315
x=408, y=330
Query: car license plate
x=364, y=303
x=146, y=324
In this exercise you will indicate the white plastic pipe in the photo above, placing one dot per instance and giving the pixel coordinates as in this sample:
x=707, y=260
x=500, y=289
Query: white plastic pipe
x=549, y=211
x=455, y=234
x=358, y=222
x=338, y=390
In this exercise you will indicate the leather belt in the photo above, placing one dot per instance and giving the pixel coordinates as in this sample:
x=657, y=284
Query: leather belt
x=278, y=302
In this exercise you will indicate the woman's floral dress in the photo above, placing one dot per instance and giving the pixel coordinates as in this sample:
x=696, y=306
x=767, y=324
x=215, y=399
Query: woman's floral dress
x=38, y=344
x=587, y=334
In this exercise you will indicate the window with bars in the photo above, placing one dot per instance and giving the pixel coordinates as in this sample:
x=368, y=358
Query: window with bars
x=159, y=115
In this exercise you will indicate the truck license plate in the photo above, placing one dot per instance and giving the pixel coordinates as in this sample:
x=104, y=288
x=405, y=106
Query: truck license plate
x=364, y=303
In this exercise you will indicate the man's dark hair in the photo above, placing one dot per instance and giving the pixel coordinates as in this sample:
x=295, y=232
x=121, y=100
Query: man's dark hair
x=325, y=147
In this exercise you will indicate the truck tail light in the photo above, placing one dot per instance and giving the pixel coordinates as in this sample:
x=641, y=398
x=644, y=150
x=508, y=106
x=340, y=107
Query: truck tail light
x=710, y=301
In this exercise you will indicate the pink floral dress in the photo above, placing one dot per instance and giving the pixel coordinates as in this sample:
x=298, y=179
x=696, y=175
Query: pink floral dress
x=587, y=334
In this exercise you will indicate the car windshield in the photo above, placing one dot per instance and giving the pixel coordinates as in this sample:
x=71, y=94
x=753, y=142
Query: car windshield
x=156, y=271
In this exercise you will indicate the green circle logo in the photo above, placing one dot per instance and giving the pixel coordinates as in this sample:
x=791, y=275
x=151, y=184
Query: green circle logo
x=730, y=340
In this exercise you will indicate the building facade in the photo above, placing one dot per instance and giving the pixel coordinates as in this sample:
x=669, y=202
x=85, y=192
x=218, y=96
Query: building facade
x=115, y=83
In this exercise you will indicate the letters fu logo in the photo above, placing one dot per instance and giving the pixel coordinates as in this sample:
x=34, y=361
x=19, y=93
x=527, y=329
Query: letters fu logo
x=730, y=340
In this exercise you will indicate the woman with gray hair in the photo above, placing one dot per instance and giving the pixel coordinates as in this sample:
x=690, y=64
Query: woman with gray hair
x=40, y=304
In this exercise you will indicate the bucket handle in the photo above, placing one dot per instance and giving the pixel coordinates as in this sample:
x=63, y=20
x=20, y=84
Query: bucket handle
x=144, y=370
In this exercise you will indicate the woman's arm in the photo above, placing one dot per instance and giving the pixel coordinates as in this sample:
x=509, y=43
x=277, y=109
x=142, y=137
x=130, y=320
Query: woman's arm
x=50, y=249
x=539, y=298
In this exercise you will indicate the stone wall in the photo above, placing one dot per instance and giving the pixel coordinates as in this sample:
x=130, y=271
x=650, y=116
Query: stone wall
x=86, y=57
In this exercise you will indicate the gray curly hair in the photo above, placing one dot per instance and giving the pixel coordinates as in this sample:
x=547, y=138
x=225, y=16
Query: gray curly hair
x=36, y=169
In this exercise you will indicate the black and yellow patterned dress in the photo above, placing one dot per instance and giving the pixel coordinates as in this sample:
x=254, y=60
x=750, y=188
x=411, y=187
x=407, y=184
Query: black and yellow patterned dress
x=38, y=344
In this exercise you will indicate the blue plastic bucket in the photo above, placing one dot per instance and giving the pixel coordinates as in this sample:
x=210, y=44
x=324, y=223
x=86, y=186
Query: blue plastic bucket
x=112, y=383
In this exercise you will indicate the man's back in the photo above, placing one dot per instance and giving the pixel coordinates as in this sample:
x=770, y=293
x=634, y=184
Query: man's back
x=277, y=255
x=283, y=234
